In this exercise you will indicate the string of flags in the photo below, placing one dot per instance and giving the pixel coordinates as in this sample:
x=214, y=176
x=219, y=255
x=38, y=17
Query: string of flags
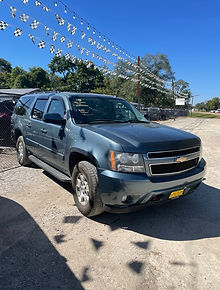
x=130, y=74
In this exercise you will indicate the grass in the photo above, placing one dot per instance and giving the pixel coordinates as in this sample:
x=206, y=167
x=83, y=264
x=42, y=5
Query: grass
x=204, y=115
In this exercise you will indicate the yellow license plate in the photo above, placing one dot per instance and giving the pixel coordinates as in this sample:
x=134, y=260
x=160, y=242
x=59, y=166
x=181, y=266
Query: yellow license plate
x=176, y=193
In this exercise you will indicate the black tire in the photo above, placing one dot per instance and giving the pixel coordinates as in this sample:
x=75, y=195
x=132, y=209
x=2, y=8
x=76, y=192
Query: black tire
x=93, y=203
x=22, y=158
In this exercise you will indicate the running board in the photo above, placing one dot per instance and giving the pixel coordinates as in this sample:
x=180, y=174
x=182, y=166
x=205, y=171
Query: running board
x=59, y=175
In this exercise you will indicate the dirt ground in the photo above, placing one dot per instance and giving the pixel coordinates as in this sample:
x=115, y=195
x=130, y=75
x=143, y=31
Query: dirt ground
x=45, y=243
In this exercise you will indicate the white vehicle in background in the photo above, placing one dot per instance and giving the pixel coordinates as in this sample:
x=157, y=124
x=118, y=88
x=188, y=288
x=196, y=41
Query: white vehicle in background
x=212, y=111
x=217, y=111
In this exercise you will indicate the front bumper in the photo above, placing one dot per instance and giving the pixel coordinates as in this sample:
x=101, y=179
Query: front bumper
x=142, y=190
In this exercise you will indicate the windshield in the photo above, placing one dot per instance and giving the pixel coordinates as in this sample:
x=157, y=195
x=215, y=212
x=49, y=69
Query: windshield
x=90, y=110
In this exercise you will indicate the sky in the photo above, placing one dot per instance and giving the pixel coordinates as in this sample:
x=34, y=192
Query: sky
x=188, y=32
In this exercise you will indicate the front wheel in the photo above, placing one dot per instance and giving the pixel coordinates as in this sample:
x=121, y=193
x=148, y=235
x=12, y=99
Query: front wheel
x=22, y=154
x=86, y=189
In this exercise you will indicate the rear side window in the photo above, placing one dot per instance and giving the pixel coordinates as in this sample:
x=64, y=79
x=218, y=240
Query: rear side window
x=56, y=106
x=38, y=109
x=23, y=105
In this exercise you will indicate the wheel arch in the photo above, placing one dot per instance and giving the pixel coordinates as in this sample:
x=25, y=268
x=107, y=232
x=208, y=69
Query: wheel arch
x=77, y=155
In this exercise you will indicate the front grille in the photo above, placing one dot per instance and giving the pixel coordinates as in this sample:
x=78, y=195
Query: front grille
x=169, y=168
x=174, y=153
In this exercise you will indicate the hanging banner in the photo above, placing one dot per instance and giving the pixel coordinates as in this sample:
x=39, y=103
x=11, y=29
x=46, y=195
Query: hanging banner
x=180, y=102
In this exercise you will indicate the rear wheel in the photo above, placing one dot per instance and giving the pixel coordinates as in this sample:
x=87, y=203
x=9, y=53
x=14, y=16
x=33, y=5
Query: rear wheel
x=86, y=189
x=22, y=154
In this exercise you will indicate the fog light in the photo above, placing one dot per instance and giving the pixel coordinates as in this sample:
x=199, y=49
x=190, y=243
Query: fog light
x=124, y=198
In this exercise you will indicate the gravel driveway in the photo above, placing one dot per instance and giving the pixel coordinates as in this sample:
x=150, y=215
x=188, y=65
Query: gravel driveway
x=45, y=243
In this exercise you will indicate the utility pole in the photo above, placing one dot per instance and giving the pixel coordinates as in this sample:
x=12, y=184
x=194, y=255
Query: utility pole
x=138, y=84
x=173, y=90
x=192, y=106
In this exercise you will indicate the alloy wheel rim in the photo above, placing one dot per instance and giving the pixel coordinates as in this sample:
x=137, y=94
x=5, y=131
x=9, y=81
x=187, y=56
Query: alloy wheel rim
x=82, y=189
x=20, y=151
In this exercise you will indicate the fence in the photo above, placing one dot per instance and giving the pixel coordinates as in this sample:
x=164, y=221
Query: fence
x=7, y=151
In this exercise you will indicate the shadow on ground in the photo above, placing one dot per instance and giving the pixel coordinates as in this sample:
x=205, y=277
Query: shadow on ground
x=193, y=217
x=28, y=260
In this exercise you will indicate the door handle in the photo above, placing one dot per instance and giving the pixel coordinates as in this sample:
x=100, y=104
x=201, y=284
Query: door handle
x=44, y=131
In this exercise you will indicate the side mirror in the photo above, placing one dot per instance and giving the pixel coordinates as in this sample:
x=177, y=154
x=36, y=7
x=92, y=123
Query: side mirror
x=54, y=119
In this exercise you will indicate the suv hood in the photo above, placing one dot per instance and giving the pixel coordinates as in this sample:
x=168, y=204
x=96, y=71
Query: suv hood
x=141, y=138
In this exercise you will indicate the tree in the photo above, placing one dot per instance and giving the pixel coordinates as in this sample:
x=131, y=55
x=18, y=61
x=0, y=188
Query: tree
x=62, y=66
x=159, y=65
x=38, y=77
x=200, y=106
x=5, y=80
x=21, y=81
x=85, y=78
x=182, y=86
x=15, y=73
x=5, y=66
x=213, y=104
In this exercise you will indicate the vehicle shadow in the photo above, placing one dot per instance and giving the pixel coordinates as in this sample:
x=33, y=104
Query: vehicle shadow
x=193, y=217
x=28, y=260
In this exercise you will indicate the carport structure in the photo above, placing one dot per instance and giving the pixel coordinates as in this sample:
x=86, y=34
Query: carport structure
x=15, y=94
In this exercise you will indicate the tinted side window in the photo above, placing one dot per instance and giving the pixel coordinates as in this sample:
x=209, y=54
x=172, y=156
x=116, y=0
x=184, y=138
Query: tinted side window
x=56, y=106
x=38, y=109
x=23, y=105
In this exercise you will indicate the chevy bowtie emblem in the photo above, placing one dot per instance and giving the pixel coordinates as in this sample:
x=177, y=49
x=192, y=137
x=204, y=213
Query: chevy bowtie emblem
x=181, y=159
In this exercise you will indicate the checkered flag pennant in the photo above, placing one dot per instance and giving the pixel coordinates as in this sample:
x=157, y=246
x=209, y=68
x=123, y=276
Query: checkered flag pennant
x=13, y=11
x=41, y=44
x=60, y=20
x=17, y=32
x=67, y=56
x=87, y=52
x=62, y=39
x=37, y=3
x=52, y=49
x=74, y=30
x=3, y=25
x=25, y=1
x=83, y=34
x=58, y=53
x=34, y=24
x=73, y=59
x=70, y=44
x=69, y=26
x=24, y=17
x=47, y=30
x=46, y=8
x=54, y=38
x=31, y=38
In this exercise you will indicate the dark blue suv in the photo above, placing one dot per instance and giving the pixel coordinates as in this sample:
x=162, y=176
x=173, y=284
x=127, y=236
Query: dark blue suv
x=115, y=159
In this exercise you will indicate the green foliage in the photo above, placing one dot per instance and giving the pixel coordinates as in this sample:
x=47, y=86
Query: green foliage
x=5, y=66
x=204, y=115
x=159, y=65
x=64, y=75
x=38, y=77
x=212, y=104
x=21, y=81
x=62, y=66
x=5, y=80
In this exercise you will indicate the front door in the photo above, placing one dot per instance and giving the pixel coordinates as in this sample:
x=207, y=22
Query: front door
x=54, y=136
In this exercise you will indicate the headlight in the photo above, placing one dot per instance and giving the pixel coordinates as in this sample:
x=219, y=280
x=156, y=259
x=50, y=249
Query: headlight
x=126, y=162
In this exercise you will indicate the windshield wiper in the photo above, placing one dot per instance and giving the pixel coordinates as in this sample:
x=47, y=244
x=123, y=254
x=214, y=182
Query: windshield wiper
x=133, y=121
x=101, y=121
